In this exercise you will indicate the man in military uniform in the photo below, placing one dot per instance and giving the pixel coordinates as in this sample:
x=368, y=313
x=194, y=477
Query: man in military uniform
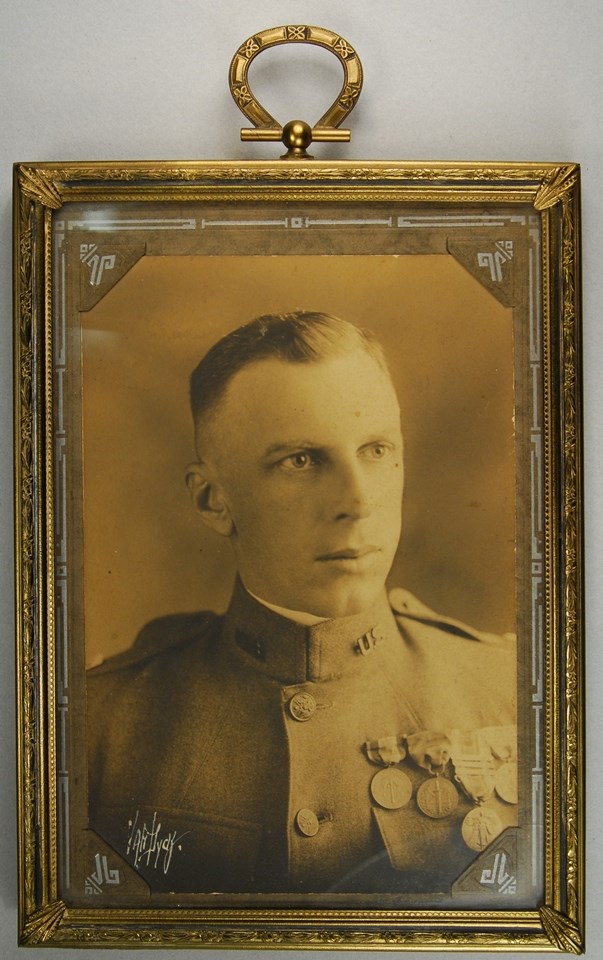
x=319, y=736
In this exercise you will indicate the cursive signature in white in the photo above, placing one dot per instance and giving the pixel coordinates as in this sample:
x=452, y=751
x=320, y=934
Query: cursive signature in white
x=148, y=843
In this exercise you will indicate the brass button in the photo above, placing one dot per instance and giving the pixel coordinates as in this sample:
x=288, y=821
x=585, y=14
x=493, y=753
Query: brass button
x=307, y=822
x=302, y=706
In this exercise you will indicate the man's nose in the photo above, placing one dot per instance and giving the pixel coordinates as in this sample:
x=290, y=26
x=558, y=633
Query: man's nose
x=353, y=498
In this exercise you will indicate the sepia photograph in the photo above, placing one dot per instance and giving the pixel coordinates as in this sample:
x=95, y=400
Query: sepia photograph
x=288, y=693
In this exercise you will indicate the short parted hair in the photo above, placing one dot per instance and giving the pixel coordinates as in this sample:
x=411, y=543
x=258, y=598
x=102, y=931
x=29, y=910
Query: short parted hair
x=300, y=337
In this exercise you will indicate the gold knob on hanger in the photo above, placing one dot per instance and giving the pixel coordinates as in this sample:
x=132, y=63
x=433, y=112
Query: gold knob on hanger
x=297, y=135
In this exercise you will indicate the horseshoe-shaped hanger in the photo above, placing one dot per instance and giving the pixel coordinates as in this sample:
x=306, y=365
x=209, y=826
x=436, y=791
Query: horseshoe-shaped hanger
x=296, y=135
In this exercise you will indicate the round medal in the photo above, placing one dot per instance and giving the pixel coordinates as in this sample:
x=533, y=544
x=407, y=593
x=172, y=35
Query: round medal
x=391, y=788
x=480, y=827
x=437, y=798
x=505, y=782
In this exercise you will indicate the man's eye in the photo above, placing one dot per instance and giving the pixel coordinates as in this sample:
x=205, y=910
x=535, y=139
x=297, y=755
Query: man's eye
x=376, y=451
x=298, y=461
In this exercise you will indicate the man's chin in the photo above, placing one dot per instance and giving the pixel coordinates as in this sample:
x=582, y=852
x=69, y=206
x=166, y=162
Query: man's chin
x=334, y=604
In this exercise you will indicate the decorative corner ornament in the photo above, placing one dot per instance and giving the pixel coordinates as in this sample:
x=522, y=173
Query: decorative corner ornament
x=296, y=135
x=37, y=185
x=41, y=925
x=556, y=185
x=561, y=931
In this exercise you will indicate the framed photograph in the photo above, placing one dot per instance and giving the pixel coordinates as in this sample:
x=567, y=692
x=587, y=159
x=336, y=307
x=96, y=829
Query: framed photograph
x=299, y=576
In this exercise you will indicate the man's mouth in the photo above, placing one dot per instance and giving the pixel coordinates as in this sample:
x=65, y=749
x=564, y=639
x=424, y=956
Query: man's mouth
x=348, y=553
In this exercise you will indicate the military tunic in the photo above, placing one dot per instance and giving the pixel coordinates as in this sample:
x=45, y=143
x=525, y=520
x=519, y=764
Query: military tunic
x=234, y=753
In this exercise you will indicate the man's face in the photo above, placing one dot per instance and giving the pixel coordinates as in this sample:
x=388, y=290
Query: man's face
x=305, y=460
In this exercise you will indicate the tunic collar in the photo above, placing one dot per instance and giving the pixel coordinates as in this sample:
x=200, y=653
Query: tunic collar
x=296, y=653
x=298, y=615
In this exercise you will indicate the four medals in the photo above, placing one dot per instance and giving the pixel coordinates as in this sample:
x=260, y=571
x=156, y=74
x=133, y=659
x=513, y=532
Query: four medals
x=475, y=771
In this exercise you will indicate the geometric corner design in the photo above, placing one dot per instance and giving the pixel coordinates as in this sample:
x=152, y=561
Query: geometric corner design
x=490, y=262
x=494, y=871
x=103, y=263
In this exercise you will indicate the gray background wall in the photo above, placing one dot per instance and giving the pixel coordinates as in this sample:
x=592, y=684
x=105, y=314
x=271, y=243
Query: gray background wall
x=129, y=79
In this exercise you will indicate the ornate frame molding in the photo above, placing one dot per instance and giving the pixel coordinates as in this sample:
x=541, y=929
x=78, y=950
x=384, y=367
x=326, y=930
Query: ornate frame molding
x=553, y=191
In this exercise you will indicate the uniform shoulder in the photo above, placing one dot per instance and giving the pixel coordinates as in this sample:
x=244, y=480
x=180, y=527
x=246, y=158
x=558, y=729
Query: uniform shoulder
x=407, y=607
x=159, y=636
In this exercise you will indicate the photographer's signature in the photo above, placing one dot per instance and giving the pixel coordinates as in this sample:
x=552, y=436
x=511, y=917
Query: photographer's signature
x=149, y=844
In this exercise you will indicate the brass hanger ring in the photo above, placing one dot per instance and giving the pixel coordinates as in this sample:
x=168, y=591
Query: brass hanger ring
x=296, y=134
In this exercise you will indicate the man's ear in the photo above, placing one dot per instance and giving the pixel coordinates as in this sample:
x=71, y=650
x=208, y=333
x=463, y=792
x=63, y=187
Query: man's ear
x=208, y=498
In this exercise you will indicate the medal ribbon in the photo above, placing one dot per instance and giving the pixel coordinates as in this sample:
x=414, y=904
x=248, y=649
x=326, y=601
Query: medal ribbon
x=386, y=751
x=430, y=749
x=502, y=741
x=475, y=754
x=474, y=765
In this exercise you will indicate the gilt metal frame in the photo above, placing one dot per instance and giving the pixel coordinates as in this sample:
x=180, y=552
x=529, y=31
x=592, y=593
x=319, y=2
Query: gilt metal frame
x=552, y=191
